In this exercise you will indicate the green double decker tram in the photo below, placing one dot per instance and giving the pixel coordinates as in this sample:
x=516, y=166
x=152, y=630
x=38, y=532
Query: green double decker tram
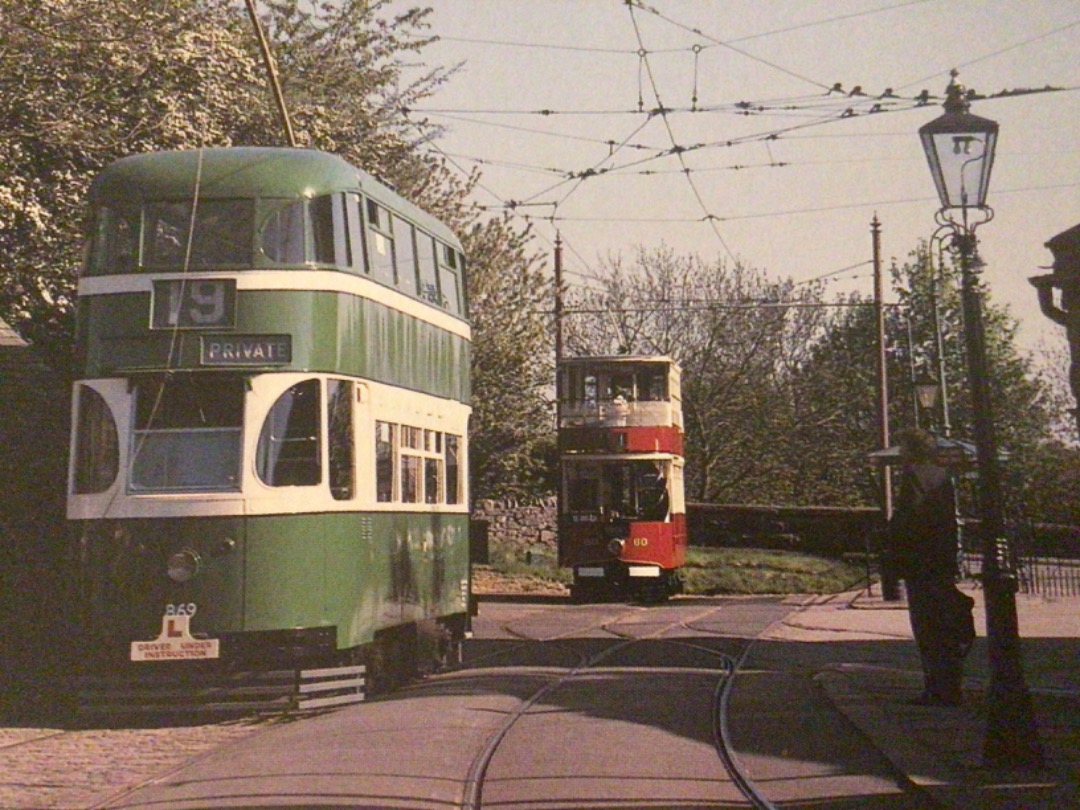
x=269, y=445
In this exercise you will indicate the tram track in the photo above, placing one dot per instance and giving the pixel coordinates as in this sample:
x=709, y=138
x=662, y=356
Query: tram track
x=7, y=745
x=724, y=663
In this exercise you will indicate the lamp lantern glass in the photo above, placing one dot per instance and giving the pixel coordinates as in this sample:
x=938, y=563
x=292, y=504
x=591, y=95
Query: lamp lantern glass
x=926, y=392
x=960, y=147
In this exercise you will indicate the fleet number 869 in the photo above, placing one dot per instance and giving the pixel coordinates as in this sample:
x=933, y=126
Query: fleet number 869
x=183, y=609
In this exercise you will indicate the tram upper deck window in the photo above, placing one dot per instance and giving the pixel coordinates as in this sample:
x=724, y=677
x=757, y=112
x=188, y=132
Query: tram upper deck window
x=221, y=234
x=187, y=433
x=405, y=247
x=620, y=385
x=281, y=236
x=381, y=243
x=451, y=267
x=115, y=246
x=288, y=450
x=97, y=455
x=427, y=254
x=330, y=230
x=652, y=385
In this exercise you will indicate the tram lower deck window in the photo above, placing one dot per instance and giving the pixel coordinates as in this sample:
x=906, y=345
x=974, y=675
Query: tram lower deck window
x=187, y=434
x=288, y=451
x=96, y=444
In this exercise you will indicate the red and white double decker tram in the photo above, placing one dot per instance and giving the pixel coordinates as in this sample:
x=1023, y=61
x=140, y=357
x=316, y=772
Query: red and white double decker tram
x=622, y=513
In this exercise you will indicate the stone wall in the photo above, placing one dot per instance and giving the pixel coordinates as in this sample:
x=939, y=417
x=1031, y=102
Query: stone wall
x=520, y=531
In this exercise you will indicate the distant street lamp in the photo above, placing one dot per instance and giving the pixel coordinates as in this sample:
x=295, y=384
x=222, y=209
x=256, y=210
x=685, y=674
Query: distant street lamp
x=959, y=147
x=926, y=394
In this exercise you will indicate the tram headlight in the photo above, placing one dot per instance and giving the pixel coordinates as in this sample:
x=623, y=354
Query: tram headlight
x=183, y=565
x=616, y=546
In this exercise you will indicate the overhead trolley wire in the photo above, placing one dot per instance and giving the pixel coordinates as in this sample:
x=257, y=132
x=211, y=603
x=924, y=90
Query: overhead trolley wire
x=674, y=141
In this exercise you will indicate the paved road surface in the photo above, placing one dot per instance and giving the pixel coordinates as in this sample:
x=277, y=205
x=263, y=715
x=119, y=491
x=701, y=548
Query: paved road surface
x=559, y=706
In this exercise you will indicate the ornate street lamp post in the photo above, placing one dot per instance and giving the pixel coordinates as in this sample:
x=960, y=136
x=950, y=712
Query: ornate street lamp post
x=959, y=147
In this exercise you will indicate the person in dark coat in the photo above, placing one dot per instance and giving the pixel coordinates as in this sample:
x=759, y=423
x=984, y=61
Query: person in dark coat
x=922, y=534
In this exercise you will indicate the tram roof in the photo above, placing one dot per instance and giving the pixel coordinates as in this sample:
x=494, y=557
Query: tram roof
x=614, y=359
x=248, y=172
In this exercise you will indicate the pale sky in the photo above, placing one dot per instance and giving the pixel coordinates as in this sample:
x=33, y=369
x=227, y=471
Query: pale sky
x=798, y=204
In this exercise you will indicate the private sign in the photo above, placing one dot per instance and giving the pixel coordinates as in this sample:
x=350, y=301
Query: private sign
x=175, y=643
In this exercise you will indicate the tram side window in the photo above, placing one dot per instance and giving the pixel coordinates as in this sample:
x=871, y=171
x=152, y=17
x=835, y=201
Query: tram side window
x=404, y=244
x=187, y=433
x=330, y=231
x=427, y=464
x=288, y=451
x=411, y=484
x=354, y=229
x=428, y=260
x=453, y=468
x=281, y=237
x=97, y=456
x=115, y=248
x=220, y=234
x=450, y=269
x=384, y=462
x=339, y=433
x=380, y=243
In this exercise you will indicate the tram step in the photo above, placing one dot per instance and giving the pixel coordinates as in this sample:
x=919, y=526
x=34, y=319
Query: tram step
x=217, y=693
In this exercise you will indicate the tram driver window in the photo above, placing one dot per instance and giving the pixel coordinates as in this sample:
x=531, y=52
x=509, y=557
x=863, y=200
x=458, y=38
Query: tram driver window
x=288, y=451
x=583, y=489
x=187, y=433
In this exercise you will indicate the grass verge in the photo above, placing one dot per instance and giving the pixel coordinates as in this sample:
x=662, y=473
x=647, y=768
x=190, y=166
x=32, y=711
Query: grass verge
x=708, y=571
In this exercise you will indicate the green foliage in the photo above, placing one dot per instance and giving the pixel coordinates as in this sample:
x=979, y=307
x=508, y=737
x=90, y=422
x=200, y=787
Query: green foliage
x=737, y=336
x=84, y=82
x=1048, y=483
x=780, y=387
x=752, y=571
x=513, y=420
x=711, y=571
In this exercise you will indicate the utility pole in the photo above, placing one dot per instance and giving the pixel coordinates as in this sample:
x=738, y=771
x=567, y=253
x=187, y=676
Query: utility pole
x=558, y=393
x=890, y=587
x=558, y=304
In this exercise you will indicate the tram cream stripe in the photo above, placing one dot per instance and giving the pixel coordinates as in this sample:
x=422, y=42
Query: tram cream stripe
x=306, y=280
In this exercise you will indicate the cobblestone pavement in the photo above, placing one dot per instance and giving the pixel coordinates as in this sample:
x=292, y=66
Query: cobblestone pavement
x=58, y=769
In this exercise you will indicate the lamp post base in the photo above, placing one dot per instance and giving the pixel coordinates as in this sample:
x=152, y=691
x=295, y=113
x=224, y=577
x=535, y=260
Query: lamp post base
x=1012, y=736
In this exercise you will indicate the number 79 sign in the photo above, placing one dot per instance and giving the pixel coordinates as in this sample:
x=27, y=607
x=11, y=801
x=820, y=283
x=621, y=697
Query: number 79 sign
x=194, y=304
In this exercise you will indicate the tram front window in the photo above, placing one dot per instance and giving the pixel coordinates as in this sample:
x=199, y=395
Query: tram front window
x=187, y=434
x=221, y=234
x=632, y=490
x=96, y=444
x=288, y=452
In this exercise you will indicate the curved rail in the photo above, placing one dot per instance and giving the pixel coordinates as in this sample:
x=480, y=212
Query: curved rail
x=472, y=797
